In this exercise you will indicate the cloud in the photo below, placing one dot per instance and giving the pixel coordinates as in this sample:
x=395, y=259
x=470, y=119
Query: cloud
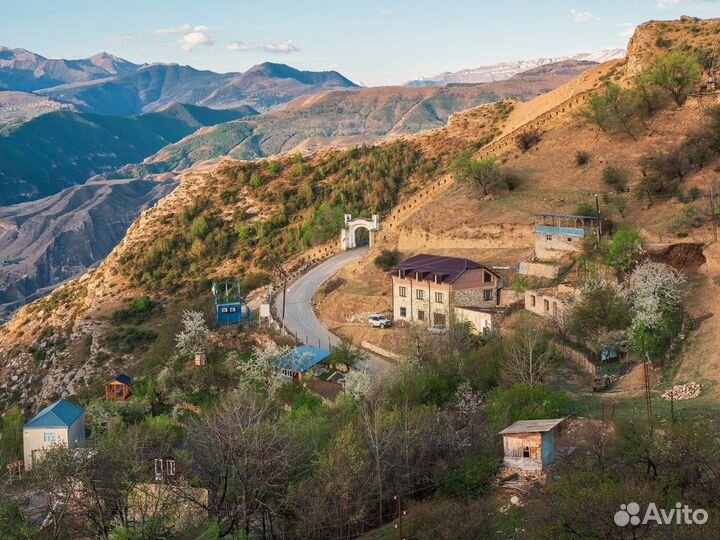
x=238, y=46
x=192, y=36
x=580, y=17
x=628, y=29
x=195, y=39
x=182, y=29
x=334, y=67
x=283, y=47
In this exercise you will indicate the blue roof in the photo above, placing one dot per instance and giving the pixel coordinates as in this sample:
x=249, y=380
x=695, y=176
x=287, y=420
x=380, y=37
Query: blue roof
x=121, y=378
x=58, y=415
x=302, y=359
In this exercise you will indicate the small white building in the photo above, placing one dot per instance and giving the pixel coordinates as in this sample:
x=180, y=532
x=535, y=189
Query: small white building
x=480, y=319
x=61, y=423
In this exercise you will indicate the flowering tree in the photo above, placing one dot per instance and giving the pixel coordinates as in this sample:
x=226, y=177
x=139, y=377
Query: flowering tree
x=358, y=384
x=261, y=368
x=655, y=293
x=654, y=289
x=195, y=334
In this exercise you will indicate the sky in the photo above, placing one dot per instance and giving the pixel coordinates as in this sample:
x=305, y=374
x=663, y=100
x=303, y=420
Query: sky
x=372, y=42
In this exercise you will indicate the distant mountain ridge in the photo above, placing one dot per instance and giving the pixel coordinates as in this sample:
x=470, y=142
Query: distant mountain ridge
x=26, y=71
x=505, y=70
x=155, y=86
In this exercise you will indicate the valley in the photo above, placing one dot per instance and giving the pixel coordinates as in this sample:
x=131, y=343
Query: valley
x=524, y=344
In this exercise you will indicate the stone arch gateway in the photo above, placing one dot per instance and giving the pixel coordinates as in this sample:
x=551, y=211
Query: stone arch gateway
x=348, y=239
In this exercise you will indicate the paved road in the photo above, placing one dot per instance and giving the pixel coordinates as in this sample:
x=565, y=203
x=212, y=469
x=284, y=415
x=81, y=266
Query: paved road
x=300, y=319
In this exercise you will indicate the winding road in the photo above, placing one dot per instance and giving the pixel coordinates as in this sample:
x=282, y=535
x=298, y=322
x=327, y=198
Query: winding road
x=300, y=318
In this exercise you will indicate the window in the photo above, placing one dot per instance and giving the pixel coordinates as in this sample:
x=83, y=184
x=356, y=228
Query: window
x=420, y=294
x=439, y=319
x=286, y=372
x=487, y=277
x=170, y=467
x=49, y=438
x=555, y=308
x=233, y=310
x=403, y=312
x=158, y=469
x=546, y=304
x=487, y=294
x=569, y=238
x=439, y=297
x=526, y=452
x=223, y=310
x=548, y=237
x=402, y=292
x=532, y=300
x=421, y=315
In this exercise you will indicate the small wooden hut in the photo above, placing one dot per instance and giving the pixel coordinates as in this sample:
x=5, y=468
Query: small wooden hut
x=118, y=388
x=530, y=444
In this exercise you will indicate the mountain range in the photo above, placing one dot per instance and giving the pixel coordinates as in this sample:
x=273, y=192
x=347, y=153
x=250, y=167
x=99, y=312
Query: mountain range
x=505, y=70
x=50, y=152
x=68, y=121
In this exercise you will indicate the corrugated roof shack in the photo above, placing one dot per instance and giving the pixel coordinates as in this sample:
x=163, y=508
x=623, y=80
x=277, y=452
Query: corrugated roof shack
x=529, y=445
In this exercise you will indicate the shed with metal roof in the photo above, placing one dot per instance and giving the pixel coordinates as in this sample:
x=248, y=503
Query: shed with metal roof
x=530, y=444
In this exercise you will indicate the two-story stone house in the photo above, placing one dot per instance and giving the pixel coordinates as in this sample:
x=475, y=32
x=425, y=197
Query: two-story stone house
x=427, y=288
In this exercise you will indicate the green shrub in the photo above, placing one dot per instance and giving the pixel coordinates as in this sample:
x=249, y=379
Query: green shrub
x=625, y=248
x=136, y=311
x=616, y=178
x=388, y=259
x=256, y=180
x=525, y=402
x=200, y=228
x=129, y=339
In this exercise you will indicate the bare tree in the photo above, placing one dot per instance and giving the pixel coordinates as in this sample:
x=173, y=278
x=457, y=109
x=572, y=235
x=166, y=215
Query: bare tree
x=528, y=355
x=244, y=456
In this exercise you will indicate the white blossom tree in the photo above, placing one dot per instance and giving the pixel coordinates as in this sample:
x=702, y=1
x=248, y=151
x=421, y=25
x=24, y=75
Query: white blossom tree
x=358, y=383
x=194, y=336
x=653, y=290
x=261, y=367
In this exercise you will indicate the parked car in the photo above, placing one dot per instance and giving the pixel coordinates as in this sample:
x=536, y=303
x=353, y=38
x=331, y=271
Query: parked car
x=601, y=383
x=438, y=329
x=377, y=320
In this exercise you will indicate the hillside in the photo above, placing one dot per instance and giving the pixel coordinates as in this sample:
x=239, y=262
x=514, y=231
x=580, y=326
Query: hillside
x=344, y=117
x=46, y=154
x=156, y=86
x=235, y=220
x=56, y=238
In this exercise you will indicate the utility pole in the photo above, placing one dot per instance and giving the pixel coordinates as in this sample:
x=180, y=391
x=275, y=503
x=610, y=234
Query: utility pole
x=597, y=209
x=400, y=513
x=713, y=208
x=672, y=408
x=648, y=395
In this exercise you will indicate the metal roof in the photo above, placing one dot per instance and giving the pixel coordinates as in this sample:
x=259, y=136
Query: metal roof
x=568, y=216
x=577, y=232
x=532, y=426
x=121, y=378
x=448, y=268
x=60, y=414
x=302, y=359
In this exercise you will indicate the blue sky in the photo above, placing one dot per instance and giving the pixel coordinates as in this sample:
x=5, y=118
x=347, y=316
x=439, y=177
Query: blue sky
x=372, y=42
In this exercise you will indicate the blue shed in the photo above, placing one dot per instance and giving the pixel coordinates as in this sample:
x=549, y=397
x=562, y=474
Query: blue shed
x=300, y=360
x=230, y=305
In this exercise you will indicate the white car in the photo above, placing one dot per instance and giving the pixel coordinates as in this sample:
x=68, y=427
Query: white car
x=378, y=320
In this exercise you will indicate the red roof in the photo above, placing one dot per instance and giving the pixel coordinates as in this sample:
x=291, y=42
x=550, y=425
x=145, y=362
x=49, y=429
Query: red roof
x=447, y=268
